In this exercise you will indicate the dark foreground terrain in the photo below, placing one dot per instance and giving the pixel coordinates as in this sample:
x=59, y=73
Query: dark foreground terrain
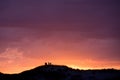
x=55, y=72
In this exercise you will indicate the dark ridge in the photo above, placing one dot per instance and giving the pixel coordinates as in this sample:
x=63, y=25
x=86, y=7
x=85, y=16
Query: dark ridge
x=62, y=72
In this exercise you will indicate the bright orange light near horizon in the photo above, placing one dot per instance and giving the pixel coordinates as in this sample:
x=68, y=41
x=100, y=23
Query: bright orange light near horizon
x=74, y=66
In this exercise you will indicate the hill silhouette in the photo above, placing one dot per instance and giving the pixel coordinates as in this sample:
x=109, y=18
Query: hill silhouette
x=61, y=72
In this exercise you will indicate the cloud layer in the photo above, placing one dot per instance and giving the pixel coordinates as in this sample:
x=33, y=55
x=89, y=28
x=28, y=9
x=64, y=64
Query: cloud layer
x=57, y=29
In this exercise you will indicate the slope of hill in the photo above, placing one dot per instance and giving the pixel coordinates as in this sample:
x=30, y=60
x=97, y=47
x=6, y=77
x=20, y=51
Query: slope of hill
x=57, y=72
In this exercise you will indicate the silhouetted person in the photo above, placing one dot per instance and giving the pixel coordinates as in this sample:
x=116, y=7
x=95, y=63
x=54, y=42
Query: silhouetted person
x=49, y=63
x=45, y=63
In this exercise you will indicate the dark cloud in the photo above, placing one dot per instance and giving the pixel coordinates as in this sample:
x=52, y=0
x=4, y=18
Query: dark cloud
x=49, y=19
x=64, y=11
x=3, y=5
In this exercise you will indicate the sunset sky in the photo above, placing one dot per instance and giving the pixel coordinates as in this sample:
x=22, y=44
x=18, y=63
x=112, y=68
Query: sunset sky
x=78, y=33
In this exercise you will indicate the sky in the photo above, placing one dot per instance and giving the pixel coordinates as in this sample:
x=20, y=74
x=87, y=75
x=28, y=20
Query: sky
x=81, y=34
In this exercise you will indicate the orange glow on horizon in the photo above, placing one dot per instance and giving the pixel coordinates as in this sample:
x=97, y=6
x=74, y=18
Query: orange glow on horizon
x=35, y=63
x=18, y=62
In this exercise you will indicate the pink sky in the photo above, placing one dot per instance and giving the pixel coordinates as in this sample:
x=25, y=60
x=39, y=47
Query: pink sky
x=77, y=33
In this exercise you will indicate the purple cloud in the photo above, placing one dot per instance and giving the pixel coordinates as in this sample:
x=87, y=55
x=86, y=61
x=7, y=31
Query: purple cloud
x=61, y=20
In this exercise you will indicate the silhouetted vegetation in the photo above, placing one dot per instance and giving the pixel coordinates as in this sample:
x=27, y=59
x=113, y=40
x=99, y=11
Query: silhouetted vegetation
x=57, y=72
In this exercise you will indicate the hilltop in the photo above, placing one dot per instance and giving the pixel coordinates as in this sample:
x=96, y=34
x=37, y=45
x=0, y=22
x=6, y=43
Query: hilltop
x=61, y=72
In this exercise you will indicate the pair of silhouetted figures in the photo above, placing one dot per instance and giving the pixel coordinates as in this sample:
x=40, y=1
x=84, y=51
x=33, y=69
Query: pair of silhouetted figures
x=48, y=63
